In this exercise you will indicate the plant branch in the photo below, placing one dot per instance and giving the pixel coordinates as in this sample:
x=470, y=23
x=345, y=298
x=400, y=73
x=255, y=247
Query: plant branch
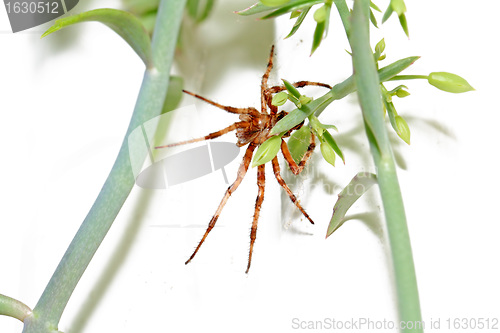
x=368, y=84
x=13, y=308
x=48, y=311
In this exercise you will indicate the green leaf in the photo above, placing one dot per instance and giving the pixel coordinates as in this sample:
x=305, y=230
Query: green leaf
x=274, y=3
x=404, y=24
x=331, y=142
x=291, y=6
x=256, y=8
x=267, y=151
x=352, y=192
x=318, y=36
x=299, y=21
x=449, y=82
x=387, y=14
x=387, y=72
x=123, y=23
x=174, y=93
x=141, y=7
x=374, y=6
x=199, y=9
x=299, y=142
x=373, y=19
x=291, y=89
x=328, y=153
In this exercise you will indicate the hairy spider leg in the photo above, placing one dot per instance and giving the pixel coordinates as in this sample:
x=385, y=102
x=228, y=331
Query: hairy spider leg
x=230, y=109
x=210, y=136
x=241, y=174
x=281, y=181
x=265, y=78
x=261, y=183
x=296, y=169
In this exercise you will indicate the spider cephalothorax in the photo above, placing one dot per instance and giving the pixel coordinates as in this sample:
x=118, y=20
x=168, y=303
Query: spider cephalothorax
x=253, y=129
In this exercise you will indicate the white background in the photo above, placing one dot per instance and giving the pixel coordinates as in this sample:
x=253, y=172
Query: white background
x=65, y=102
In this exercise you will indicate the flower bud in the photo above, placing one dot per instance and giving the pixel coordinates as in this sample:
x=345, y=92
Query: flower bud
x=320, y=14
x=267, y=151
x=449, y=82
x=380, y=47
x=402, y=129
x=280, y=98
x=294, y=14
x=328, y=153
x=398, y=6
x=303, y=100
x=401, y=93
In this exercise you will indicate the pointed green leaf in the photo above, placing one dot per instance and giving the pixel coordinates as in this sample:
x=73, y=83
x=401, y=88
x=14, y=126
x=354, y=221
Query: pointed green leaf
x=404, y=24
x=299, y=21
x=140, y=7
x=174, y=93
x=256, y=8
x=318, y=36
x=352, y=192
x=387, y=13
x=294, y=14
x=274, y=3
x=299, y=142
x=291, y=6
x=374, y=6
x=123, y=23
x=387, y=72
x=373, y=19
x=199, y=10
x=332, y=143
x=267, y=151
x=291, y=89
x=449, y=82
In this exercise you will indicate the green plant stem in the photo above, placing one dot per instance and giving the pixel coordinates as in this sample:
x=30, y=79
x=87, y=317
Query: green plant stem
x=344, y=14
x=408, y=77
x=368, y=84
x=13, y=308
x=49, y=309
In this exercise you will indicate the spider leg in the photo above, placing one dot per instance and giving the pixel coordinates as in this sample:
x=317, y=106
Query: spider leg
x=281, y=181
x=299, y=84
x=296, y=169
x=265, y=78
x=241, y=174
x=261, y=182
x=229, y=109
x=210, y=136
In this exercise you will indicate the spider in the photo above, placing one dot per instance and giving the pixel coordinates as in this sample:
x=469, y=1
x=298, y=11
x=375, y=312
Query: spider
x=252, y=130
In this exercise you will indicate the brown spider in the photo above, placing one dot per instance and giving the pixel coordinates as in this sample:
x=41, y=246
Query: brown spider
x=252, y=130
